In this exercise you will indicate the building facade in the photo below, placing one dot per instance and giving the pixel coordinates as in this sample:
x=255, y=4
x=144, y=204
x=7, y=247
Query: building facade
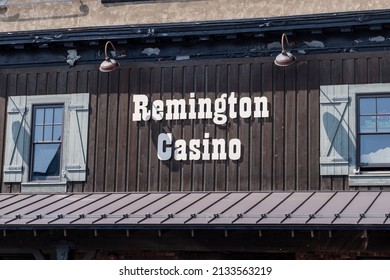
x=198, y=145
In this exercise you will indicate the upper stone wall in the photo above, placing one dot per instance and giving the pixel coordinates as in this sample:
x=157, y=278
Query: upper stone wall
x=25, y=17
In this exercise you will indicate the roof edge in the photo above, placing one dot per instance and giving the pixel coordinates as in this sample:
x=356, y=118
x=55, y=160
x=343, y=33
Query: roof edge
x=217, y=28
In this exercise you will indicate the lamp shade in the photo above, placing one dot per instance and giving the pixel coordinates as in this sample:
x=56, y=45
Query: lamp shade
x=108, y=65
x=285, y=59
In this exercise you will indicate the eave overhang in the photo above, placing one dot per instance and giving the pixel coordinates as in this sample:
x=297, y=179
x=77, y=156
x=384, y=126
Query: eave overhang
x=309, y=210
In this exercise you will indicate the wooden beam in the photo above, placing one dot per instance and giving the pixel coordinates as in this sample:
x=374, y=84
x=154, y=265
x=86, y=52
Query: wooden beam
x=203, y=240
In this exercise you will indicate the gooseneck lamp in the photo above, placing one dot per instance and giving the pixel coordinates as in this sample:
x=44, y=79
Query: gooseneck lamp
x=284, y=58
x=108, y=64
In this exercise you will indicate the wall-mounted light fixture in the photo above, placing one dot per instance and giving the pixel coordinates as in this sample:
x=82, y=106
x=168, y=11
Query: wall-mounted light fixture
x=284, y=58
x=108, y=64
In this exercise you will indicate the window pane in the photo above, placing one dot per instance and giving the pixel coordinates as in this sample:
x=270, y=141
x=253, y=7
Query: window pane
x=38, y=133
x=383, y=105
x=57, y=132
x=375, y=149
x=48, y=133
x=46, y=155
x=46, y=160
x=383, y=123
x=367, y=106
x=58, y=115
x=39, y=113
x=49, y=115
x=368, y=124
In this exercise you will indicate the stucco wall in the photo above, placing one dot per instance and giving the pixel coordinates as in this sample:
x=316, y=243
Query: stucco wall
x=19, y=17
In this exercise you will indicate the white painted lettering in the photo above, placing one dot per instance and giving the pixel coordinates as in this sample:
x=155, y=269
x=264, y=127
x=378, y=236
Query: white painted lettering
x=176, y=109
x=204, y=108
x=198, y=149
x=164, y=143
x=180, y=109
x=220, y=110
x=206, y=153
x=234, y=149
x=158, y=110
x=245, y=107
x=180, y=150
x=141, y=112
x=191, y=103
x=194, y=149
x=219, y=149
x=232, y=100
x=261, y=107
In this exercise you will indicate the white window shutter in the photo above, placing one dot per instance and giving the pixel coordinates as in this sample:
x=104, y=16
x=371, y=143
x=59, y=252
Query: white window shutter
x=77, y=138
x=17, y=140
x=334, y=130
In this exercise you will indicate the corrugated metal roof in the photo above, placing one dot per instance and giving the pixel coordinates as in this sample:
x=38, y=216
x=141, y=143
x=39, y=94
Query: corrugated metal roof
x=196, y=209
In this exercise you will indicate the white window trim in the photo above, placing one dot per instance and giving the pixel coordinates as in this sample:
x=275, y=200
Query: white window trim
x=45, y=100
x=74, y=144
x=355, y=176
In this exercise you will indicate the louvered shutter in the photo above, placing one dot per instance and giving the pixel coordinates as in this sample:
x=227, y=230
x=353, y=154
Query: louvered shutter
x=77, y=137
x=17, y=139
x=335, y=143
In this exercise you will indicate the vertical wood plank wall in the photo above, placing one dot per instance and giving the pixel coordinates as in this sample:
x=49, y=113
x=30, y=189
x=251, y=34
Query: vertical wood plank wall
x=279, y=153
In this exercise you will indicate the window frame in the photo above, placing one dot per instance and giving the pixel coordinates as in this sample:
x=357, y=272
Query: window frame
x=18, y=141
x=359, y=133
x=35, y=143
x=31, y=102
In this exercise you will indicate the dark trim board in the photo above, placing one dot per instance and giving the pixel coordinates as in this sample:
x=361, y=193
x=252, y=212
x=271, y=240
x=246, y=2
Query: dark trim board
x=258, y=28
x=202, y=240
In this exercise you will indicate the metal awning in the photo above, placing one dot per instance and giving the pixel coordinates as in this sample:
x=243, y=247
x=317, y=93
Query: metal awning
x=188, y=210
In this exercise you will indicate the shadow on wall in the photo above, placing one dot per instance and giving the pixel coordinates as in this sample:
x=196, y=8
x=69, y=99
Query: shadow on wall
x=83, y=9
x=156, y=130
x=337, y=135
x=47, y=166
x=19, y=132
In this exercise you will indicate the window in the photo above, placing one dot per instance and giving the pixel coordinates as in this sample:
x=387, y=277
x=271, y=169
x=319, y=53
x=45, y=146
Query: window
x=46, y=141
x=374, y=132
x=355, y=133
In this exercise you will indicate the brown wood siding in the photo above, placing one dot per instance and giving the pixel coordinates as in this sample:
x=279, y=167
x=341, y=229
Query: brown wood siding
x=278, y=153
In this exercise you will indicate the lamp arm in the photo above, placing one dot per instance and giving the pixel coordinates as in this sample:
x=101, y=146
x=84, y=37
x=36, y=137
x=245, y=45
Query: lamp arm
x=105, y=48
x=284, y=37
